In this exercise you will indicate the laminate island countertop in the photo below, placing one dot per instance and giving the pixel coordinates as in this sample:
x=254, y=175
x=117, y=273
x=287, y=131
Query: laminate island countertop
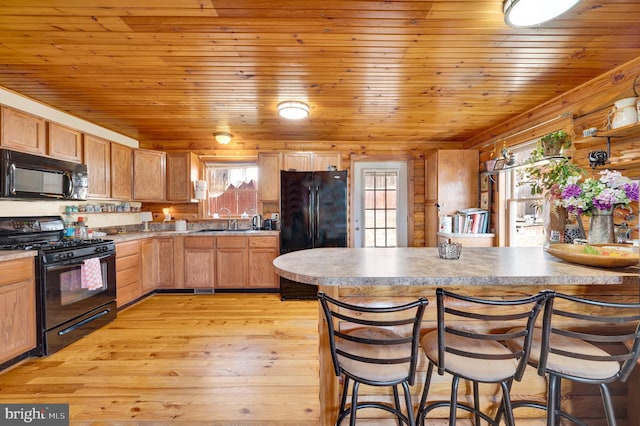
x=422, y=266
x=392, y=276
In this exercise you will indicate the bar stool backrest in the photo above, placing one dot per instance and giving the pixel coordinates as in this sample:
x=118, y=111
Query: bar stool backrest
x=612, y=326
x=486, y=319
x=376, y=335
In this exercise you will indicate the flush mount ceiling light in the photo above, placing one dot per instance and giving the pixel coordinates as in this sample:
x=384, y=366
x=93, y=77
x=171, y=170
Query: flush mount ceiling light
x=293, y=110
x=529, y=13
x=223, y=138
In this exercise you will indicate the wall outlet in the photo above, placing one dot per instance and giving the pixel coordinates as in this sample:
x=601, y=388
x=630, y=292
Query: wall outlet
x=275, y=216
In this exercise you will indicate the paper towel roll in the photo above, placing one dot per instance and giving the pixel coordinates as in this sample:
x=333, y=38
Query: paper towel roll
x=200, y=189
x=446, y=224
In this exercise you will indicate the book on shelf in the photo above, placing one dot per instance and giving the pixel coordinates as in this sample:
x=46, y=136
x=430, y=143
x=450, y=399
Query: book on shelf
x=471, y=221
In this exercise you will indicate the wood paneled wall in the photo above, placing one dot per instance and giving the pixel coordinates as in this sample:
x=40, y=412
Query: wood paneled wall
x=586, y=106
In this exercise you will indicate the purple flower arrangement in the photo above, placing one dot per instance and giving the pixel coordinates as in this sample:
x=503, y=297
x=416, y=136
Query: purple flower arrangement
x=610, y=190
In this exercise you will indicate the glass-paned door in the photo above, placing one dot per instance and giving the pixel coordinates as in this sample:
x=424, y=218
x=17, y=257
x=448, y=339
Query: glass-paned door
x=380, y=208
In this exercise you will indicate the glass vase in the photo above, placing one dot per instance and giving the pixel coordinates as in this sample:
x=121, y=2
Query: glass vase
x=601, y=227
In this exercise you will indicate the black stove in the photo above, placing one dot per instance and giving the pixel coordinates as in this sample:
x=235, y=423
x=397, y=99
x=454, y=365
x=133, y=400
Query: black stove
x=45, y=234
x=75, y=279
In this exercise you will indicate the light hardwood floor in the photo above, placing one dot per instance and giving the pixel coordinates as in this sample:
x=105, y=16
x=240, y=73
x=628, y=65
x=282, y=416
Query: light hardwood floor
x=222, y=359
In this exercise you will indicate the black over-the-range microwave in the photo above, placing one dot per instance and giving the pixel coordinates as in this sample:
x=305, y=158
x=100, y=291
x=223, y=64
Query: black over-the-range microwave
x=28, y=176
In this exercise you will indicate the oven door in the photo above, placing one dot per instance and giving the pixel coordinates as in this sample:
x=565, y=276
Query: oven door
x=74, y=287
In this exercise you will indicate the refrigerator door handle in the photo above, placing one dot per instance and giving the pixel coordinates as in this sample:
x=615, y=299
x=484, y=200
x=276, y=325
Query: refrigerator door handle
x=317, y=215
x=310, y=214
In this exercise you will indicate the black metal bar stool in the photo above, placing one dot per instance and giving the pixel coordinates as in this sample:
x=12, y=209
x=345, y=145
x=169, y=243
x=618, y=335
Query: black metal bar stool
x=587, y=341
x=470, y=344
x=377, y=346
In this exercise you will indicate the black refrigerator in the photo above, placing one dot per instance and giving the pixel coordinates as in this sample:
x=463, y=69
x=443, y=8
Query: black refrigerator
x=313, y=213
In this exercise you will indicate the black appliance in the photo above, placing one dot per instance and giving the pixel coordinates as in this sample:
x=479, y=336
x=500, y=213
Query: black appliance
x=313, y=213
x=35, y=177
x=75, y=279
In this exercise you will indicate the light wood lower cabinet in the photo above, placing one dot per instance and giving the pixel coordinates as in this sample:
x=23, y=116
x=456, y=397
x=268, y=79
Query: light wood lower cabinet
x=17, y=308
x=227, y=262
x=128, y=273
x=262, y=251
x=165, y=262
x=149, y=265
x=199, y=262
x=231, y=255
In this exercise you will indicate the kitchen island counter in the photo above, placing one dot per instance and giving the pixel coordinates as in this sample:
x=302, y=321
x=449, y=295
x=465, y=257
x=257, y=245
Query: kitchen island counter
x=421, y=266
x=392, y=276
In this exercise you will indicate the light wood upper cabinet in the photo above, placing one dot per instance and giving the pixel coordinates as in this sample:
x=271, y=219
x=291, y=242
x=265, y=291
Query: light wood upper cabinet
x=297, y=161
x=64, y=143
x=149, y=175
x=269, y=176
x=183, y=168
x=325, y=160
x=311, y=161
x=121, y=172
x=451, y=178
x=97, y=157
x=22, y=132
x=18, y=313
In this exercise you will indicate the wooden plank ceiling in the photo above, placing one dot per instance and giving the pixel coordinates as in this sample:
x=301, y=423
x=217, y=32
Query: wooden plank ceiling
x=171, y=72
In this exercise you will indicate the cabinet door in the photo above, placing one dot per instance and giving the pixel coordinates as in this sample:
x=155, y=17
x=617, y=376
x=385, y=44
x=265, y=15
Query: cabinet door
x=148, y=265
x=297, y=161
x=22, y=132
x=121, y=172
x=262, y=251
x=199, y=262
x=231, y=258
x=165, y=262
x=451, y=182
x=97, y=157
x=327, y=160
x=149, y=175
x=183, y=168
x=64, y=143
x=269, y=176
x=18, y=313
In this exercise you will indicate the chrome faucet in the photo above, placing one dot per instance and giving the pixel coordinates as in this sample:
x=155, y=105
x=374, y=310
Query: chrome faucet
x=228, y=216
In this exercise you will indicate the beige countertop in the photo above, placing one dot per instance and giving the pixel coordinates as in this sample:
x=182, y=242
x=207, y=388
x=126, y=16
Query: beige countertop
x=16, y=254
x=131, y=236
x=422, y=266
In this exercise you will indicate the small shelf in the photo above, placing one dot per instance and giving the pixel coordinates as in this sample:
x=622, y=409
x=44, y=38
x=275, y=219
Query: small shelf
x=621, y=132
x=542, y=161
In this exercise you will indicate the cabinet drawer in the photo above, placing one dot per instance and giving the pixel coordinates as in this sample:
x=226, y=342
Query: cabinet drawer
x=231, y=242
x=126, y=277
x=199, y=242
x=17, y=270
x=127, y=249
x=127, y=262
x=261, y=242
x=128, y=293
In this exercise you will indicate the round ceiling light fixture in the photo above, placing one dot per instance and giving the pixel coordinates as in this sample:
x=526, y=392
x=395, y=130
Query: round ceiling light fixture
x=223, y=138
x=293, y=110
x=529, y=13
